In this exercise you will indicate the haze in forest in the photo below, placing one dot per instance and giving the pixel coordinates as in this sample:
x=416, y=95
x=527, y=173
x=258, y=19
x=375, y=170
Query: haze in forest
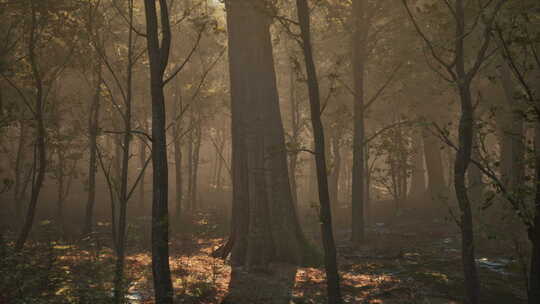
x=270, y=151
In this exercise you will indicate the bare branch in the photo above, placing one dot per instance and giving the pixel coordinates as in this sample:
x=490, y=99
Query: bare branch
x=386, y=128
x=21, y=94
x=131, y=132
x=188, y=58
x=383, y=87
x=447, y=66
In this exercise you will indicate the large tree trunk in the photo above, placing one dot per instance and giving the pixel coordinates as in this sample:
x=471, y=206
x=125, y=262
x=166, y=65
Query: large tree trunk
x=93, y=127
x=261, y=189
x=158, y=54
x=358, y=178
x=330, y=259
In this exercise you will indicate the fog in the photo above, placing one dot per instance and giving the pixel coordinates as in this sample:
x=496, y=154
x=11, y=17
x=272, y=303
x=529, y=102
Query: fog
x=195, y=151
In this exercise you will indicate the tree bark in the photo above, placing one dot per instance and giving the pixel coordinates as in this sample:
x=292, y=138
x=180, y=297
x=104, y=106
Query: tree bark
x=18, y=187
x=124, y=170
x=93, y=127
x=190, y=162
x=330, y=259
x=142, y=161
x=358, y=178
x=196, y=156
x=40, y=153
x=463, y=158
x=333, y=181
x=295, y=133
x=177, y=130
x=533, y=290
x=158, y=54
x=258, y=147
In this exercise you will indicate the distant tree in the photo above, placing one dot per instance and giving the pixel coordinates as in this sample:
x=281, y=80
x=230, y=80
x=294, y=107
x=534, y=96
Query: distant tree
x=92, y=28
x=39, y=21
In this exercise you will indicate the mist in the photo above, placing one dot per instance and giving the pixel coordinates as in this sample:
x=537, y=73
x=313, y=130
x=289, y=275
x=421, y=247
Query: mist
x=202, y=151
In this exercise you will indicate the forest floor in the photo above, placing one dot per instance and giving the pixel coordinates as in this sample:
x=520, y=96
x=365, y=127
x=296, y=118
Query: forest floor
x=402, y=261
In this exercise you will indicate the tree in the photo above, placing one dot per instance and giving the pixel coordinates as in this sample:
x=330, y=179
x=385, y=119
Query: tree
x=93, y=122
x=39, y=20
x=330, y=261
x=264, y=223
x=358, y=179
x=158, y=54
x=457, y=71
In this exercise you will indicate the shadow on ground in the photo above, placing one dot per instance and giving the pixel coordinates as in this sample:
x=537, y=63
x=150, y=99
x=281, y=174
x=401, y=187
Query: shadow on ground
x=274, y=287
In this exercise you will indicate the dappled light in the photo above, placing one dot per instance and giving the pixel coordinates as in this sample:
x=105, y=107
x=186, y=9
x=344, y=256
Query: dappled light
x=270, y=151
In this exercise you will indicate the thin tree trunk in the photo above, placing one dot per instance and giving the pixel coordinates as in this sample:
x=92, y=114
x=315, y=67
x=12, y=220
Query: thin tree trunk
x=60, y=190
x=196, y=155
x=533, y=290
x=463, y=158
x=295, y=132
x=177, y=106
x=93, y=127
x=158, y=54
x=19, y=172
x=40, y=153
x=367, y=173
x=358, y=178
x=333, y=181
x=221, y=163
x=142, y=161
x=190, y=149
x=330, y=259
x=123, y=195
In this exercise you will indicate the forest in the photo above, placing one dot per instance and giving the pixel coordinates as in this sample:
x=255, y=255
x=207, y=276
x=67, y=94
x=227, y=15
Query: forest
x=270, y=151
